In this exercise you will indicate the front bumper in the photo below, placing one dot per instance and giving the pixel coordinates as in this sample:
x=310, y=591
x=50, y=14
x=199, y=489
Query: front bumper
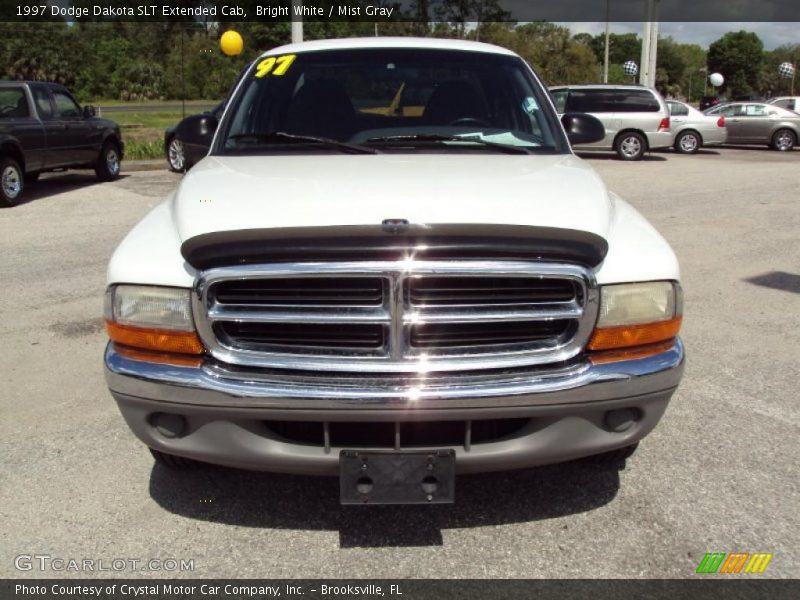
x=224, y=412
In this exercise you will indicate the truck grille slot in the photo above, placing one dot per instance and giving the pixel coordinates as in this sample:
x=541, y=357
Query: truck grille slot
x=398, y=436
x=448, y=335
x=300, y=335
x=405, y=316
x=489, y=291
x=360, y=291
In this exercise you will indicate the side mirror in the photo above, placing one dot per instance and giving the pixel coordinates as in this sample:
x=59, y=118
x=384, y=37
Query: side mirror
x=89, y=111
x=582, y=128
x=198, y=130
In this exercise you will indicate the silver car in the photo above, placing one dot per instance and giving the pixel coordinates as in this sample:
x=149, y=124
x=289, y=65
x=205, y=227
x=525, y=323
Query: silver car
x=636, y=118
x=788, y=102
x=693, y=129
x=758, y=123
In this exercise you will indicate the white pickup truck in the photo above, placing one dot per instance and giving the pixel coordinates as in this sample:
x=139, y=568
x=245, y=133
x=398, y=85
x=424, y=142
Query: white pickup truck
x=391, y=267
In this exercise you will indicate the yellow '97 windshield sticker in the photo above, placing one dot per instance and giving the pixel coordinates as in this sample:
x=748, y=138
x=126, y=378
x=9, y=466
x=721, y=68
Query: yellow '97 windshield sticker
x=273, y=65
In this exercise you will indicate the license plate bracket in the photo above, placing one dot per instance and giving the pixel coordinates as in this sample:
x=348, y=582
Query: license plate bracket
x=389, y=477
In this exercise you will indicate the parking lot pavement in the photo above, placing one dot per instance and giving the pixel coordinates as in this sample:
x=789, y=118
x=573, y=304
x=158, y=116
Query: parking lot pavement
x=720, y=473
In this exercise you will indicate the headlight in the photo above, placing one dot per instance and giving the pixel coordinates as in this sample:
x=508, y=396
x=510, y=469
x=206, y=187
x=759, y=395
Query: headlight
x=151, y=318
x=150, y=306
x=634, y=314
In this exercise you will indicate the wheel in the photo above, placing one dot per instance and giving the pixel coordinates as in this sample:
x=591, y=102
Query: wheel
x=177, y=463
x=12, y=181
x=107, y=168
x=176, y=155
x=630, y=146
x=32, y=177
x=784, y=140
x=688, y=142
x=615, y=456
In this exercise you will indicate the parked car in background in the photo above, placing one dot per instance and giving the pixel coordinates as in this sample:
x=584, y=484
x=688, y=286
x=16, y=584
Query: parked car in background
x=707, y=102
x=43, y=128
x=181, y=153
x=758, y=123
x=693, y=129
x=636, y=118
x=788, y=102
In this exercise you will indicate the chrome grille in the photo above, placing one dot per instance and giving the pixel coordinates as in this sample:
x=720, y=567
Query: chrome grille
x=396, y=316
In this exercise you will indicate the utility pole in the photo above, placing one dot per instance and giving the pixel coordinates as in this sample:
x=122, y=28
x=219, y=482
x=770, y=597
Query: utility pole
x=605, y=53
x=297, y=22
x=647, y=72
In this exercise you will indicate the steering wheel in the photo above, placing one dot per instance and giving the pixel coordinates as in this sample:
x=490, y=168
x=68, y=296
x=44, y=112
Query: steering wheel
x=467, y=121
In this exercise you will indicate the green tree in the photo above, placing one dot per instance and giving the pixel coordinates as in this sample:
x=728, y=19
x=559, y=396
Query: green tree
x=738, y=56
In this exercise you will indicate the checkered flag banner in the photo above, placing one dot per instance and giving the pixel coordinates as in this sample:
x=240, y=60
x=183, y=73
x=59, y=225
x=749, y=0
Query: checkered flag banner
x=631, y=68
x=786, y=70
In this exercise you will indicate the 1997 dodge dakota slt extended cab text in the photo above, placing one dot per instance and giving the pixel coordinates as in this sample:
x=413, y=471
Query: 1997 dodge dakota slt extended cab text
x=392, y=268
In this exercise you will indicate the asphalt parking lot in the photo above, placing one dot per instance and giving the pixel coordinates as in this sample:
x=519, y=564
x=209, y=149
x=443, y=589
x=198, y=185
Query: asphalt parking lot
x=720, y=473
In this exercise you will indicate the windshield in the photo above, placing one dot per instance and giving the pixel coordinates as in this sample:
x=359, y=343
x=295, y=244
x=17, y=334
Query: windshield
x=390, y=100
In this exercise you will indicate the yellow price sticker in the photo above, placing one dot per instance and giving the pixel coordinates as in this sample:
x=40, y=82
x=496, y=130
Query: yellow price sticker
x=273, y=65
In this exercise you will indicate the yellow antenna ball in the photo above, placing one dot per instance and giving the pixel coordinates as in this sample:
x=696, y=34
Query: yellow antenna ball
x=231, y=43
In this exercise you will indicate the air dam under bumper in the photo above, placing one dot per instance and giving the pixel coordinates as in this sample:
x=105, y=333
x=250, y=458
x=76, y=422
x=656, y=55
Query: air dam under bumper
x=573, y=412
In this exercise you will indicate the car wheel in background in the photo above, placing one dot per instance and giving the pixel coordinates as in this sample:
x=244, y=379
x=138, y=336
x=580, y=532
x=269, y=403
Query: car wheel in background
x=688, y=142
x=107, y=168
x=630, y=146
x=784, y=140
x=12, y=181
x=176, y=155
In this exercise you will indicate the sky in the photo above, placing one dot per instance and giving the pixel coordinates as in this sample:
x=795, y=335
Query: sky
x=772, y=34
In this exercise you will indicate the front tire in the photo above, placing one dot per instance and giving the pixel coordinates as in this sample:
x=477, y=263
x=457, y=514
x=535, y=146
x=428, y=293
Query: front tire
x=12, y=181
x=176, y=155
x=783, y=140
x=108, y=163
x=688, y=142
x=630, y=146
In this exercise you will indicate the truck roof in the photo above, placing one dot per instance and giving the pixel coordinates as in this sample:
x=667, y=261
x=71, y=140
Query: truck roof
x=389, y=42
x=27, y=82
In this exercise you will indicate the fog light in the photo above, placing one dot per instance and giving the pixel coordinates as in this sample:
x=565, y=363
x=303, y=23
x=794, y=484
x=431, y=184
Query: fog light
x=168, y=425
x=622, y=419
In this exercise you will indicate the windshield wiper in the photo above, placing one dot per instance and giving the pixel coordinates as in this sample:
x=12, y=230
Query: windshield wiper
x=435, y=137
x=283, y=137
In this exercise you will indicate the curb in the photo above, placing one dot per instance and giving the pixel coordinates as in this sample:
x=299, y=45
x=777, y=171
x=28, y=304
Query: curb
x=130, y=166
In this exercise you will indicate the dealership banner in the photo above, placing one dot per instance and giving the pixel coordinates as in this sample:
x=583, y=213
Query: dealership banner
x=400, y=10
x=398, y=589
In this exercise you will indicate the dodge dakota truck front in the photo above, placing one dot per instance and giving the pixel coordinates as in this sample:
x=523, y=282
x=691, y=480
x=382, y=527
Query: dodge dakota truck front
x=392, y=268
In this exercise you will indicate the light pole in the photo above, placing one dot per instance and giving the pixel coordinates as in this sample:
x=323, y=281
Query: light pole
x=605, y=53
x=297, y=22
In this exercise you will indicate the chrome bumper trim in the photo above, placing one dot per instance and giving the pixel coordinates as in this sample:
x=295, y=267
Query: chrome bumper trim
x=209, y=385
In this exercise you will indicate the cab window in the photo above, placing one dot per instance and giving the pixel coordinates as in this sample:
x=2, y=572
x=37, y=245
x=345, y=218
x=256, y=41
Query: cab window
x=13, y=104
x=65, y=105
x=42, y=100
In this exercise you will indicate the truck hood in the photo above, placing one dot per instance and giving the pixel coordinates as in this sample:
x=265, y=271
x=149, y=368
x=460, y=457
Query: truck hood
x=223, y=193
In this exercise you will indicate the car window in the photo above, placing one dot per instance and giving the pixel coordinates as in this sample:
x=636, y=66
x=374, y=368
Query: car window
x=593, y=101
x=13, y=104
x=560, y=100
x=42, y=100
x=678, y=110
x=733, y=110
x=636, y=101
x=65, y=105
x=755, y=110
x=784, y=103
x=358, y=96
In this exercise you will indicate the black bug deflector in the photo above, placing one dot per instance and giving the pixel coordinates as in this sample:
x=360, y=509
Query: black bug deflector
x=426, y=242
x=374, y=477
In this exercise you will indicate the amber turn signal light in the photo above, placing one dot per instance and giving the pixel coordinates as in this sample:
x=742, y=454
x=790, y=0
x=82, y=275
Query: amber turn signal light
x=626, y=336
x=158, y=340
